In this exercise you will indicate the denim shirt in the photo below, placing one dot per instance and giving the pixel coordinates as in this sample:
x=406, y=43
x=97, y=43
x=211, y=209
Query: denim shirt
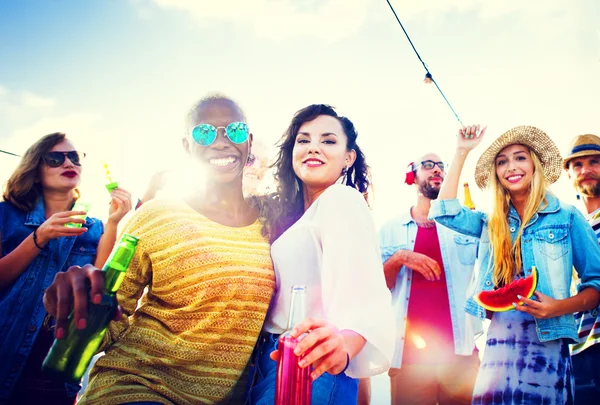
x=458, y=256
x=548, y=242
x=21, y=308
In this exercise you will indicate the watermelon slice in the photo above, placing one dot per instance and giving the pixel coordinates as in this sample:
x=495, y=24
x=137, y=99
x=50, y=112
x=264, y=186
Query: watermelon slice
x=502, y=299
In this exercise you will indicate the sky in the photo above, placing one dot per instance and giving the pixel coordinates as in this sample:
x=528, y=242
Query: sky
x=118, y=76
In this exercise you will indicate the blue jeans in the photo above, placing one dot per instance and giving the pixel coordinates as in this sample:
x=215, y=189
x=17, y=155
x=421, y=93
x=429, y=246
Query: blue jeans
x=587, y=375
x=326, y=390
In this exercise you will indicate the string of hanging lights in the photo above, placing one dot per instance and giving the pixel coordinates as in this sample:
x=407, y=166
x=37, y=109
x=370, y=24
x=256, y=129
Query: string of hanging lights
x=428, y=76
x=9, y=153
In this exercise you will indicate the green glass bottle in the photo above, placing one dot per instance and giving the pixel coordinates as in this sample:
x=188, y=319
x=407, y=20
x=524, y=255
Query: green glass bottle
x=69, y=357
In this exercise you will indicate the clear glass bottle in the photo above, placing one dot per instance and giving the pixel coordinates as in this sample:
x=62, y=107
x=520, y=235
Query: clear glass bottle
x=294, y=385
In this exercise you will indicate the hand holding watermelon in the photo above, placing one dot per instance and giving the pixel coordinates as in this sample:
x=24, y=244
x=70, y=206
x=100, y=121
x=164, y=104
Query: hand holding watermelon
x=506, y=298
x=544, y=308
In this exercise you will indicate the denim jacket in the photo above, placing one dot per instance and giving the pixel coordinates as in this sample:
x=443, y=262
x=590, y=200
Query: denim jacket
x=548, y=242
x=458, y=256
x=21, y=308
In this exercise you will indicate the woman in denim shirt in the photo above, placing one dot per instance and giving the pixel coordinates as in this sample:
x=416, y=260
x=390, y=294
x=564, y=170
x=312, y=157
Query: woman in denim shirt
x=35, y=245
x=526, y=359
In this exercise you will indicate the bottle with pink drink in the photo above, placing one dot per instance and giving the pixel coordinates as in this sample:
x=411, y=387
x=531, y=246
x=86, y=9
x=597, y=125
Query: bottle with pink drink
x=294, y=385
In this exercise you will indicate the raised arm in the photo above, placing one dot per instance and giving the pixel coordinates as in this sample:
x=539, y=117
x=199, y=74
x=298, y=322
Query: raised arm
x=468, y=138
x=120, y=205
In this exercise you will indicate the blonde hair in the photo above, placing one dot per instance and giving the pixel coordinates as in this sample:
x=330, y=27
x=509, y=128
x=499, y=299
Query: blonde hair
x=506, y=255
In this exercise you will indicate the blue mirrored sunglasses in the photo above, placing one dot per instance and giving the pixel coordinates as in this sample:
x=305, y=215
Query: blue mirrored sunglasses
x=205, y=134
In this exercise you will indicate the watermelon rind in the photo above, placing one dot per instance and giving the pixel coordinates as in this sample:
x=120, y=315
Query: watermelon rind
x=509, y=302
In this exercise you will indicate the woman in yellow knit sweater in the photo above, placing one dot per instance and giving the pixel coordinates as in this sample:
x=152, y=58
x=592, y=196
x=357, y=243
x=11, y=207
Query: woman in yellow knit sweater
x=209, y=280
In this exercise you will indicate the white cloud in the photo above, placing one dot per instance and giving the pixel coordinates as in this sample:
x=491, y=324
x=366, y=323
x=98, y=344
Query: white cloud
x=328, y=19
x=336, y=19
x=30, y=99
x=18, y=107
x=79, y=127
x=484, y=8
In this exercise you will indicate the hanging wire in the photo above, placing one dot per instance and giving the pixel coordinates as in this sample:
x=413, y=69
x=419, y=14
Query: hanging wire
x=9, y=153
x=428, y=75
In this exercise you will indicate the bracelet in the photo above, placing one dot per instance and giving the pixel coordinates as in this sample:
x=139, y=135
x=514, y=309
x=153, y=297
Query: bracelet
x=347, y=363
x=35, y=240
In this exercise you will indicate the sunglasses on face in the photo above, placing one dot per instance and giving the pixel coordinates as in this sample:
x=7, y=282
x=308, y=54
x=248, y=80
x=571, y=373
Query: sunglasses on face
x=430, y=164
x=205, y=134
x=57, y=159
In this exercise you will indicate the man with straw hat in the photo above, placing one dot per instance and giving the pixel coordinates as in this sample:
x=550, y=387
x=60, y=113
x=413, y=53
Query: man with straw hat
x=583, y=169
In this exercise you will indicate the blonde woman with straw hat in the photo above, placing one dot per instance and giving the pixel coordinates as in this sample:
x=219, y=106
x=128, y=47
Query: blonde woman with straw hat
x=526, y=359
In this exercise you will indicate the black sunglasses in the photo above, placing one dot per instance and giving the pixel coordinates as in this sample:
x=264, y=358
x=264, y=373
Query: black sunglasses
x=430, y=164
x=57, y=159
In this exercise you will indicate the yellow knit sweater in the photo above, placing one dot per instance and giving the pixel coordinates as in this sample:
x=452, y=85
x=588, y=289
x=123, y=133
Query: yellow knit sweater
x=191, y=337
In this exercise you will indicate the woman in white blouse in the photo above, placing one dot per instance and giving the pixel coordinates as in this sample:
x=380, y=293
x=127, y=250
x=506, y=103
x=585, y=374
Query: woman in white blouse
x=323, y=237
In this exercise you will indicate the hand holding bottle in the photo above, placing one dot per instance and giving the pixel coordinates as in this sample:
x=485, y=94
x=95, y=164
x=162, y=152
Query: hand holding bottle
x=69, y=292
x=54, y=227
x=324, y=346
x=68, y=358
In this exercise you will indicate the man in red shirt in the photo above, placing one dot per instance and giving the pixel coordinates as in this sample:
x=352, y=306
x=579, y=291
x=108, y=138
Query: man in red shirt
x=428, y=268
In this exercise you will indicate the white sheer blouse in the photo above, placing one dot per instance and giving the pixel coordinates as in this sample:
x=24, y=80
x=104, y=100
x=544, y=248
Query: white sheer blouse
x=333, y=250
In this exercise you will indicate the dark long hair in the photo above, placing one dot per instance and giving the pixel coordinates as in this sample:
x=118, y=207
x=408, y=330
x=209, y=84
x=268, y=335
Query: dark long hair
x=23, y=188
x=289, y=199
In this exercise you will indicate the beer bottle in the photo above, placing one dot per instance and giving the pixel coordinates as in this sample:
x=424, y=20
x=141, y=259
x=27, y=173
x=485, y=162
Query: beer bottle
x=293, y=385
x=69, y=358
x=468, y=201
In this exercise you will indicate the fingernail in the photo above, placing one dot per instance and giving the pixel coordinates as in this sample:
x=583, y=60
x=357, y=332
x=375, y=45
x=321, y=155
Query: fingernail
x=294, y=332
x=313, y=376
x=519, y=297
x=514, y=304
x=97, y=299
x=60, y=333
x=297, y=351
x=302, y=363
x=81, y=323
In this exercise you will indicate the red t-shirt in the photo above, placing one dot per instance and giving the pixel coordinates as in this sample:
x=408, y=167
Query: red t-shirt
x=429, y=338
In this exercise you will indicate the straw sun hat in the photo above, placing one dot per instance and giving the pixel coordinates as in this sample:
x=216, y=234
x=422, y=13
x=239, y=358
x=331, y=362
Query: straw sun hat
x=532, y=137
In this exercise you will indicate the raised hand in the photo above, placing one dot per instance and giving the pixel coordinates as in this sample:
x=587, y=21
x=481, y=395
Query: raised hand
x=120, y=205
x=469, y=137
x=69, y=291
x=54, y=227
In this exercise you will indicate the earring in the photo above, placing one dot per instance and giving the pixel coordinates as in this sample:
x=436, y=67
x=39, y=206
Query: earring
x=251, y=159
x=344, y=175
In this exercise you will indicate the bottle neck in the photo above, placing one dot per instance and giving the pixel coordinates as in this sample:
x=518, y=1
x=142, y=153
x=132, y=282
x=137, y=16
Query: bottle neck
x=297, y=306
x=116, y=266
x=114, y=273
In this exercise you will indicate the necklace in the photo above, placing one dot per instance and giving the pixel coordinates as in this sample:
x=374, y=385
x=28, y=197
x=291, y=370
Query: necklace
x=426, y=223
